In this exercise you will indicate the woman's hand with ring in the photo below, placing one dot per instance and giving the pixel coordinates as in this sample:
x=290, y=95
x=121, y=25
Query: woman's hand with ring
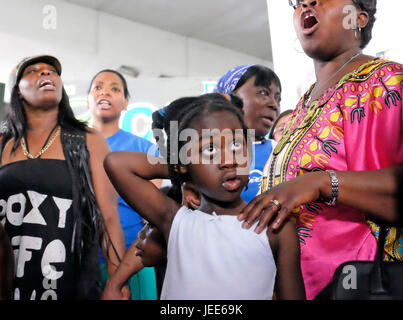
x=275, y=205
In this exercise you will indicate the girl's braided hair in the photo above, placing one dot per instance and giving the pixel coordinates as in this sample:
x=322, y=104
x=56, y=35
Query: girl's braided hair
x=185, y=111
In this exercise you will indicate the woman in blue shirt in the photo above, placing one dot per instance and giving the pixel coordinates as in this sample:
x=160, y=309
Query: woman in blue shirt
x=108, y=96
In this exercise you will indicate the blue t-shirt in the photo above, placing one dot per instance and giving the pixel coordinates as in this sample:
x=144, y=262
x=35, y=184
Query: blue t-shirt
x=130, y=220
x=261, y=153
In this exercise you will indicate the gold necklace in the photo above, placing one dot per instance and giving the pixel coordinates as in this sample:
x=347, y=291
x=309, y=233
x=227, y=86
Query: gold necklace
x=307, y=99
x=46, y=147
x=307, y=111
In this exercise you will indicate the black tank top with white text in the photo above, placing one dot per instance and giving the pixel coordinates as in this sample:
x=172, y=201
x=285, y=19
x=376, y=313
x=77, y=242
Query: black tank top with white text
x=37, y=213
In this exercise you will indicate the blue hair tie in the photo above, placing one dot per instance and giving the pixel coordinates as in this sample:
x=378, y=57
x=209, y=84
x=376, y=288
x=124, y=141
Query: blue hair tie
x=163, y=111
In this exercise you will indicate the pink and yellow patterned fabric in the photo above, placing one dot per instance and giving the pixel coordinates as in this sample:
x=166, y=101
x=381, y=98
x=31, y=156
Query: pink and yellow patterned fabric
x=355, y=126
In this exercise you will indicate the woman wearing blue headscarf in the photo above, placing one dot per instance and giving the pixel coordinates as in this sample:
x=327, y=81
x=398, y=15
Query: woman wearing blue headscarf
x=259, y=88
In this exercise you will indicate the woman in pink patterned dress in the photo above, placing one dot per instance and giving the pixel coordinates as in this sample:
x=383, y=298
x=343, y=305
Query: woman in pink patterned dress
x=335, y=168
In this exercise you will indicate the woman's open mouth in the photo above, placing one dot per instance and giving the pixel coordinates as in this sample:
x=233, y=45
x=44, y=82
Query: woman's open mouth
x=104, y=104
x=309, y=22
x=47, y=85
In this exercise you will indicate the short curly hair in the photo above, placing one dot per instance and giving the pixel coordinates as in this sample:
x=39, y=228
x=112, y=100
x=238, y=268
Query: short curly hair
x=368, y=6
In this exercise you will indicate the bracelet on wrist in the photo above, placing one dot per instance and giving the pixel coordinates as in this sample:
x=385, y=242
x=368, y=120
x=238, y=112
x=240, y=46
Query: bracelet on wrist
x=335, y=187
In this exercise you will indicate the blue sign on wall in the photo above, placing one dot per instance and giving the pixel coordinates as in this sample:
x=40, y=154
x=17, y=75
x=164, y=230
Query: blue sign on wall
x=138, y=120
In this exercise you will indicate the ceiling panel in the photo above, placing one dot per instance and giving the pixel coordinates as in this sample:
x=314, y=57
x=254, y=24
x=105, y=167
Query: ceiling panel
x=241, y=25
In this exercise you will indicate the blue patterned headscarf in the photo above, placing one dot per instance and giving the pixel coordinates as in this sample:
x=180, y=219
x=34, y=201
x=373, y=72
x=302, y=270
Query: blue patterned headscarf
x=228, y=81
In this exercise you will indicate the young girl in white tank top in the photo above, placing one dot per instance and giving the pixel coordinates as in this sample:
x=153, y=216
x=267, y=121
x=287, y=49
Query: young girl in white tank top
x=210, y=255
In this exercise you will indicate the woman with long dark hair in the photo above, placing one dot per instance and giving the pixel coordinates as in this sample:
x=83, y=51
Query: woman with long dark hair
x=59, y=202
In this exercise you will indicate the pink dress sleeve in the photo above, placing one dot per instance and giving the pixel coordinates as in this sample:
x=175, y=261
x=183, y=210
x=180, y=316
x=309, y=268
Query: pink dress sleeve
x=372, y=112
x=373, y=127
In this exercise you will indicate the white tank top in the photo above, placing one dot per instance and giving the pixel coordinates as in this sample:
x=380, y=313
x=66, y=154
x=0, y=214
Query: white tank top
x=211, y=257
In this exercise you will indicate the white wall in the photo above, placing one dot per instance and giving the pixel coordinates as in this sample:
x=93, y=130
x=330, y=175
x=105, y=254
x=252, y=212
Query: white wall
x=86, y=40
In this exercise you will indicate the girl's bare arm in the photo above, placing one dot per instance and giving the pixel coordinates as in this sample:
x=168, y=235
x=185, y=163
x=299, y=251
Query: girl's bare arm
x=130, y=265
x=131, y=172
x=285, y=246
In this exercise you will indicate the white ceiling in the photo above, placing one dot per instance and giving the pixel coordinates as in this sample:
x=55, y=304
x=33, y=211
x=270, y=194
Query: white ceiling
x=241, y=25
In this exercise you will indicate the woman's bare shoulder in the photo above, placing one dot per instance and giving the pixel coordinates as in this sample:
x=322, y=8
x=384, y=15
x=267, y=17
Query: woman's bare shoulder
x=6, y=153
x=96, y=141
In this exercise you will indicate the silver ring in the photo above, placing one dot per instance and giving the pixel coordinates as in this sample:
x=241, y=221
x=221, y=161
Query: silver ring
x=276, y=203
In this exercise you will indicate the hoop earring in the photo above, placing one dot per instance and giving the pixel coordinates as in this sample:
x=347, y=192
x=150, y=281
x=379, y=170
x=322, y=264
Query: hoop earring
x=357, y=33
